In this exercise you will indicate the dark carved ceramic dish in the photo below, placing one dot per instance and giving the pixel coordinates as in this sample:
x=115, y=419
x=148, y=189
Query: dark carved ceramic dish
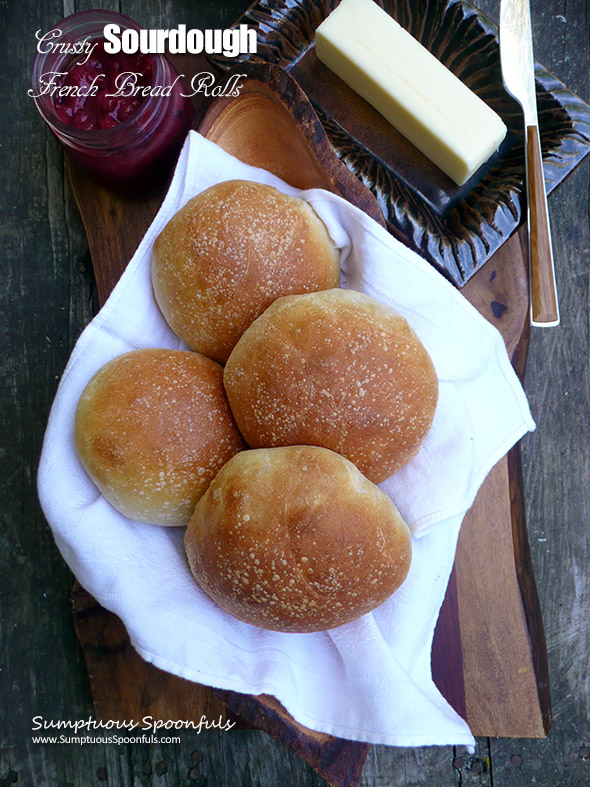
x=455, y=228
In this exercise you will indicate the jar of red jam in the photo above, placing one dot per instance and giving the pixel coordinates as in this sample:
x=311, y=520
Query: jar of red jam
x=126, y=131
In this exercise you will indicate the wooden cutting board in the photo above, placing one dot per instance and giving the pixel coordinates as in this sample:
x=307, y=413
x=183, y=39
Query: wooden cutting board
x=489, y=655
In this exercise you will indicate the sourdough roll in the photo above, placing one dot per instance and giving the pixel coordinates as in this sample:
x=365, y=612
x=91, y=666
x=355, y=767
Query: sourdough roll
x=152, y=429
x=336, y=369
x=229, y=253
x=296, y=539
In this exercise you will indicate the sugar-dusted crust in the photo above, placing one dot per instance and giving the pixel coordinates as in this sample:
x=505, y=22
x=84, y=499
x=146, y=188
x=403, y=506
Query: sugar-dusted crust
x=152, y=429
x=229, y=253
x=296, y=539
x=336, y=369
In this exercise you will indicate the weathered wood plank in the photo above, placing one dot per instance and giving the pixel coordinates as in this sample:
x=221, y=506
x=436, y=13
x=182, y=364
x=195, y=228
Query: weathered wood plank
x=47, y=292
x=556, y=458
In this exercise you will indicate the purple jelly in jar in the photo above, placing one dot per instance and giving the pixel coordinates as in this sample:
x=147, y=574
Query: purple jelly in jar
x=102, y=97
x=123, y=117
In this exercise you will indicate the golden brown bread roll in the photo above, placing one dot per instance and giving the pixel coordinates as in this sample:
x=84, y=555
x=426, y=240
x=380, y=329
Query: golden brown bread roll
x=296, y=539
x=336, y=369
x=152, y=429
x=229, y=253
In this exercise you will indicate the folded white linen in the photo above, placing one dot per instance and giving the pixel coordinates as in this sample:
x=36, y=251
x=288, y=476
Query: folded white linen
x=371, y=679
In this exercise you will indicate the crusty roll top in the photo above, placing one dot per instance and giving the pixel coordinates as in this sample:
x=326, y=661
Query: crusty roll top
x=336, y=369
x=229, y=253
x=296, y=539
x=152, y=429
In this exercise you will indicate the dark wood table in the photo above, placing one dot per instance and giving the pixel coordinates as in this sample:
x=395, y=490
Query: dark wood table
x=48, y=297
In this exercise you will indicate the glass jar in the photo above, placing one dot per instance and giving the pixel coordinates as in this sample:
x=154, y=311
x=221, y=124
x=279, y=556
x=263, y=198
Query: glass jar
x=137, y=152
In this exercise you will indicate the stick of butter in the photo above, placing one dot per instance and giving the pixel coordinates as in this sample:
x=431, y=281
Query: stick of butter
x=425, y=101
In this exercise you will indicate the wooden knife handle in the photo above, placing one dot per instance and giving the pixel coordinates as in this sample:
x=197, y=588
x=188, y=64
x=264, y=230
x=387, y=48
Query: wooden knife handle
x=544, y=306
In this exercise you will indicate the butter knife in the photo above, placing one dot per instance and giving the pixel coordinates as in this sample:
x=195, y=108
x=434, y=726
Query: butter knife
x=518, y=73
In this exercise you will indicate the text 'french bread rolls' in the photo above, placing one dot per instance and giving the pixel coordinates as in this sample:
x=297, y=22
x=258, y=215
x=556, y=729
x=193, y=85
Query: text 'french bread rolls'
x=337, y=369
x=229, y=253
x=152, y=429
x=296, y=539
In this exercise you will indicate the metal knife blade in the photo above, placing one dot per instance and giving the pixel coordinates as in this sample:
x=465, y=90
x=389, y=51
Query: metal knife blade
x=516, y=55
x=518, y=74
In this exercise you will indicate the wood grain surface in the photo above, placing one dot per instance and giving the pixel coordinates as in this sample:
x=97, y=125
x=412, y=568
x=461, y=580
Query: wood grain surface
x=272, y=123
x=48, y=296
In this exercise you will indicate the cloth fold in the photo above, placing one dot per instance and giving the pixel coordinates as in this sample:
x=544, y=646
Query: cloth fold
x=371, y=679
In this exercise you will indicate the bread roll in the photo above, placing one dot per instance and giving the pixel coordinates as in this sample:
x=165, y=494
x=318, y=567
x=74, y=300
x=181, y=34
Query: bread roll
x=296, y=539
x=152, y=429
x=229, y=253
x=336, y=369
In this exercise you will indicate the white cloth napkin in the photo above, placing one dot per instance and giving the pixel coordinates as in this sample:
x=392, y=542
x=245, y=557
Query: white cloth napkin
x=371, y=679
